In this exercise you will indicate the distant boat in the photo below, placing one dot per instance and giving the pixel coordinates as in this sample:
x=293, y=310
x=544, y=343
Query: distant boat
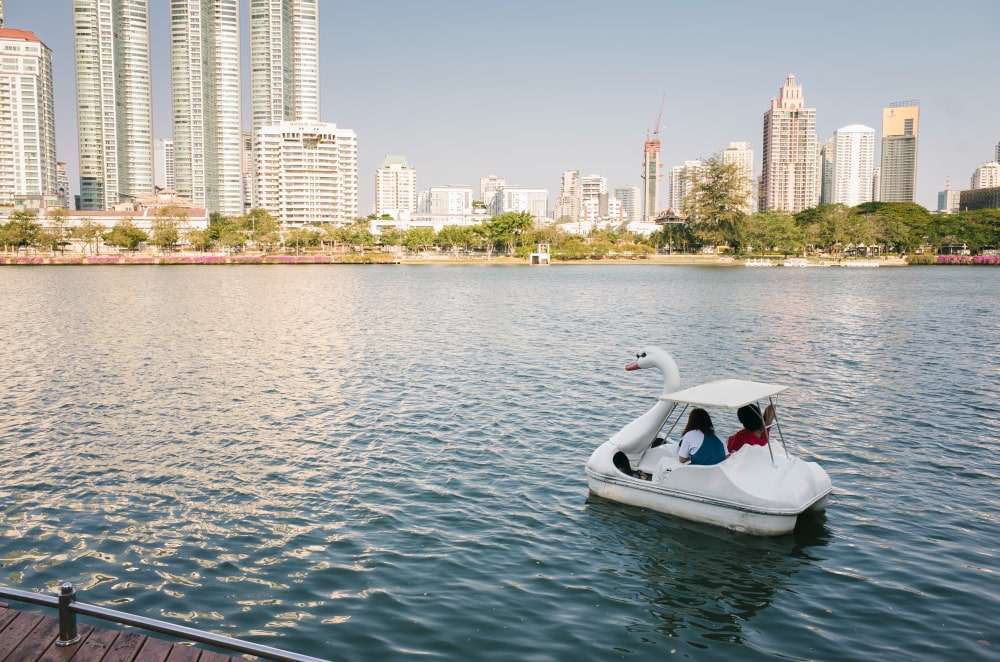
x=861, y=264
x=796, y=262
x=758, y=262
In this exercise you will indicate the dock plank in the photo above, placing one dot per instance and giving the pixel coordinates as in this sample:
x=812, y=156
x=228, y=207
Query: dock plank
x=36, y=643
x=154, y=650
x=96, y=646
x=184, y=654
x=209, y=656
x=6, y=616
x=16, y=631
x=61, y=653
x=125, y=648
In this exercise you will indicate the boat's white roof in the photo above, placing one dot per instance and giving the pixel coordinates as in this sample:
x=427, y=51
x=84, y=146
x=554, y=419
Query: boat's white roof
x=732, y=393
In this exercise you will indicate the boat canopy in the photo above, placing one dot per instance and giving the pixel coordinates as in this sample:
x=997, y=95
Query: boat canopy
x=731, y=393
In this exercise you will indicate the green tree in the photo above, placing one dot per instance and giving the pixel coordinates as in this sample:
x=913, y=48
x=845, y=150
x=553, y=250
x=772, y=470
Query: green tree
x=199, y=239
x=716, y=203
x=90, y=234
x=125, y=235
x=263, y=228
x=391, y=237
x=774, y=231
x=21, y=230
x=165, y=233
x=506, y=229
x=417, y=239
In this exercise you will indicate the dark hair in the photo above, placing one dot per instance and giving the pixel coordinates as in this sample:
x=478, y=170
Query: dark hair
x=699, y=419
x=750, y=417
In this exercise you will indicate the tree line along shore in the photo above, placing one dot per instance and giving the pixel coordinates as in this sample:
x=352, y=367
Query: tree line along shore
x=713, y=223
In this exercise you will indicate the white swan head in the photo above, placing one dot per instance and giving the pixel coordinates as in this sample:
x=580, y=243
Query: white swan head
x=655, y=357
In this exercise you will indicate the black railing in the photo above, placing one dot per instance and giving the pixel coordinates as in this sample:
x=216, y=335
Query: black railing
x=68, y=634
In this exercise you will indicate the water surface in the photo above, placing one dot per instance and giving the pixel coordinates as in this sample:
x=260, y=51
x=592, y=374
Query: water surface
x=380, y=462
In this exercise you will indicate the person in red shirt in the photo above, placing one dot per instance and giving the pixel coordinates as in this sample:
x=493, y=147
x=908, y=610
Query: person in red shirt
x=754, y=432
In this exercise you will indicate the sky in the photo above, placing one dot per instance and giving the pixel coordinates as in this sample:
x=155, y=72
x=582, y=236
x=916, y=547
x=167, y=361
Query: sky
x=529, y=89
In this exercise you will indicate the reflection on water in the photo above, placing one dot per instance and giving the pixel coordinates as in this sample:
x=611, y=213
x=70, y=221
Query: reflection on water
x=367, y=463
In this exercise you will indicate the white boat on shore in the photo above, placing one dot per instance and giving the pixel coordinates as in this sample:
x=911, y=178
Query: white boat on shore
x=760, y=490
x=758, y=262
x=796, y=262
x=860, y=264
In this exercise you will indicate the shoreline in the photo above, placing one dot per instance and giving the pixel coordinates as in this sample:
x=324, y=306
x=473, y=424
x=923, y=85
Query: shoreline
x=189, y=259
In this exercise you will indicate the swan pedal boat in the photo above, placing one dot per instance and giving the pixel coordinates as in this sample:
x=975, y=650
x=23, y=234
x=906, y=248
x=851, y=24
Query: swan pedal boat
x=760, y=490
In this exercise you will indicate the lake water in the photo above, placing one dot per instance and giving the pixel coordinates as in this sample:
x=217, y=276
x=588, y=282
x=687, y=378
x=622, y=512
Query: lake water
x=382, y=462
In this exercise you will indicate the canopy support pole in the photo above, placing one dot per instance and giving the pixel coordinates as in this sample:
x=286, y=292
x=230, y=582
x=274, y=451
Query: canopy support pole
x=778, y=424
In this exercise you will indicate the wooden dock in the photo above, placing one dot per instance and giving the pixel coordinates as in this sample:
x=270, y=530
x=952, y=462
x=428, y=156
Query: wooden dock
x=28, y=636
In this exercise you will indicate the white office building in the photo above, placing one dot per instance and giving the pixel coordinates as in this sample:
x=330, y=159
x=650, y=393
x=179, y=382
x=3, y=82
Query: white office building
x=114, y=103
x=307, y=173
x=683, y=179
x=450, y=201
x=488, y=186
x=205, y=57
x=165, y=174
x=535, y=201
x=824, y=170
x=876, y=184
x=395, y=187
x=629, y=197
x=986, y=176
x=853, y=163
x=740, y=154
x=27, y=118
x=284, y=61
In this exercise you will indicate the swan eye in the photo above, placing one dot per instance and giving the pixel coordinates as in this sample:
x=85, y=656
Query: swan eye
x=643, y=355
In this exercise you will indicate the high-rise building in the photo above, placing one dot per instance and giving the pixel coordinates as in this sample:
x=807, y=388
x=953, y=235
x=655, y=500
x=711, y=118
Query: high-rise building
x=854, y=156
x=63, y=191
x=997, y=155
x=788, y=179
x=284, y=61
x=165, y=172
x=986, y=176
x=488, y=186
x=825, y=170
x=395, y=187
x=306, y=173
x=1, y=13
x=205, y=57
x=683, y=179
x=980, y=198
x=651, y=177
x=450, y=200
x=535, y=201
x=27, y=132
x=568, y=207
x=114, y=103
x=900, y=132
x=741, y=155
x=629, y=197
x=247, y=170
x=595, y=187
x=877, y=184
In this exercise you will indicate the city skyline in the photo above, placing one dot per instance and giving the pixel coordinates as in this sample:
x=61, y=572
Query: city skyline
x=715, y=103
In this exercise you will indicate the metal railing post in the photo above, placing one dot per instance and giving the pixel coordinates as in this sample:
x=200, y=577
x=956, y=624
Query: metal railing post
x=67, y=617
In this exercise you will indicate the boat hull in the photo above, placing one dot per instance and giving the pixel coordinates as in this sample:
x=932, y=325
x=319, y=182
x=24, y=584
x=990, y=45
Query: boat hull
x=749, y=493
x=696, y=510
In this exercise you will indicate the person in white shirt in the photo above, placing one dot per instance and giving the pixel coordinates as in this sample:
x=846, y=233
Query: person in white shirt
x=699, y=445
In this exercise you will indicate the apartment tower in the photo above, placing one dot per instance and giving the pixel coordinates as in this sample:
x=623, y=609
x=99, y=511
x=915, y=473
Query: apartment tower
x=307, y=173
x=284, y=61
x=651, y=177
x=27, y=134
x=629, y=198
x=853, y=163
x=165, y=171
x=395, y=187
x=114, y=104
x=568, y=206
x=205, y=57
x=788, y=179
x=488, y=187
x=900, y=132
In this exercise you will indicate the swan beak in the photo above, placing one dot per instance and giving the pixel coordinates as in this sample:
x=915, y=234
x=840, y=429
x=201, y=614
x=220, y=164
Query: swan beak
x=634, y=365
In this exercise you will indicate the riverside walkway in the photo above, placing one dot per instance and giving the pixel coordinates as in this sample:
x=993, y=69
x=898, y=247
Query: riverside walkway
x=31, y=637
